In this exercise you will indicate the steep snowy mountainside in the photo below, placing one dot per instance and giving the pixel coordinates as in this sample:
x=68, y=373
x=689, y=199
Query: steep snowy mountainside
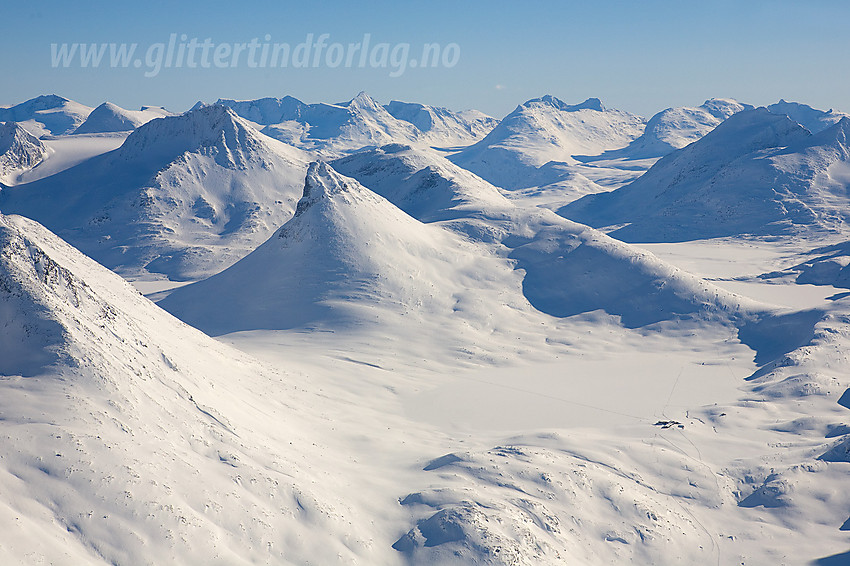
x=757, y=173
x=184, y=195
x=330, y=129
x=20, y=151
x=47, y=115
x=443, y=127
x=111, y=118
x=546, y=130
x=127, y=435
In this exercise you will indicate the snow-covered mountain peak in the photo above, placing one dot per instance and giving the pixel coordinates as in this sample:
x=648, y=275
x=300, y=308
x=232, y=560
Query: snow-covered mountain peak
x=545, y=131
x=211, y=126
x=756, y=173
x=810, y=118
x=47, y=115
x=441, y=126
x=749, y=131
x=323, y=182
x=44, y=102
x=674, y=128
x=19, y=150
x=13, y=135
x=184, y=195
x=722, y=108
x=266, y=111
x=364, y=102
x=589, y=104
x=109, y=117
x=422, y=183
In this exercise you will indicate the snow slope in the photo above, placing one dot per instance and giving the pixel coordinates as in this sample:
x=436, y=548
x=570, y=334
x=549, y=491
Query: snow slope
x=111, y=118
x=20, y=151
x=441, y=126
x=64, y=152
x=183, y=196
x=47, y=115
x=757, y=173
x=422, y=183
x=330, y=129
x=542, y=131
x=130, y=438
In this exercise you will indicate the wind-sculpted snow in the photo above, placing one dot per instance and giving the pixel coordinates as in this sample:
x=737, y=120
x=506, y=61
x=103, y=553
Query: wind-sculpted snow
x=184, y=195
x=757, y=173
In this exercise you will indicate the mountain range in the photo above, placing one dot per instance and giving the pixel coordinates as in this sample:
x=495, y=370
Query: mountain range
x=400, y=334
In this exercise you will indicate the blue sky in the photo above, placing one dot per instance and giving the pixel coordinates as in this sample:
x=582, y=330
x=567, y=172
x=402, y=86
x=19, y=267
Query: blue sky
x=638, y=56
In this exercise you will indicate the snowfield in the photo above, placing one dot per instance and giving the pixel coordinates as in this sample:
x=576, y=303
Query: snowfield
x=402, y=335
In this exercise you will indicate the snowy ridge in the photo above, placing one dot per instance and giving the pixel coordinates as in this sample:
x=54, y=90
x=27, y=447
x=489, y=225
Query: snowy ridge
x=47, y=115
x=111, y=118
x=674, y=128
x=330, y=129
x=422, y=183
x=441, y=126
x=808, y=117
x=19, y=151
x=545, y=130
x=184, y=195
x=793, y=181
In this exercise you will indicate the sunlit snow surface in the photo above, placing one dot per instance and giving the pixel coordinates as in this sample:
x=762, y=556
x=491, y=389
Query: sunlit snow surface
x=418, y=363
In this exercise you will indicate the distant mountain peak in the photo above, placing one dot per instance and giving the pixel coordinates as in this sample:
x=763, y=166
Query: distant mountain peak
x=45, y=102
x=810, y=118
x=213, y=125
x=107, y=117
x=589, y=104
x=363, y=100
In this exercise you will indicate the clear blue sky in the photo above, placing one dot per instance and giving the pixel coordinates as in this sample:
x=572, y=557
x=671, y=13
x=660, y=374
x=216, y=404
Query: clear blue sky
x=639, y=56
